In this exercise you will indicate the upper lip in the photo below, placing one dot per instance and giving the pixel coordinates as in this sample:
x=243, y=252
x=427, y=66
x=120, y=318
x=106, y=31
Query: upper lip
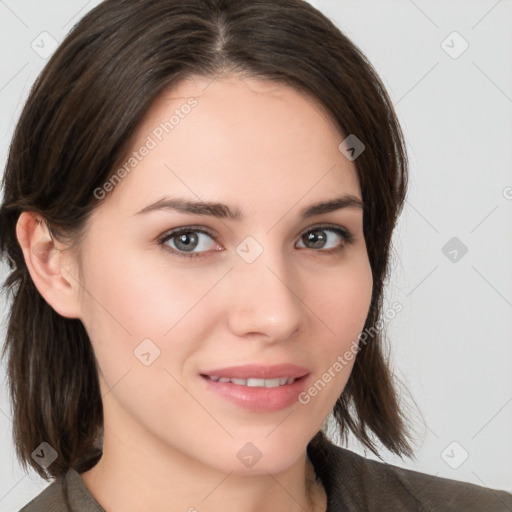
x=259, y=371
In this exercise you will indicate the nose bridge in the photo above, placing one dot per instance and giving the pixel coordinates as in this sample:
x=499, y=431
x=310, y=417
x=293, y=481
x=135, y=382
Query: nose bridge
x=264, y=299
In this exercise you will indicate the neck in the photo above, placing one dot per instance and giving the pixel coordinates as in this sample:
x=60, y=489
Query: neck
x=137, y=473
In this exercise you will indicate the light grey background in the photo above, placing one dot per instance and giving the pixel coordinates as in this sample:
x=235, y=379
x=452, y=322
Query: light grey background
x=451, y=343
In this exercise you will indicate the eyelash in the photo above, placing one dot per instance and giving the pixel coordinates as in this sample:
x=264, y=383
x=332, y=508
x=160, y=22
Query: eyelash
x=347, y=237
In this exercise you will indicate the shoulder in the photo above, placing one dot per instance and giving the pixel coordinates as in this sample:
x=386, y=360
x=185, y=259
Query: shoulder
x=64, y=494
x=353, y=483
x=426, y=492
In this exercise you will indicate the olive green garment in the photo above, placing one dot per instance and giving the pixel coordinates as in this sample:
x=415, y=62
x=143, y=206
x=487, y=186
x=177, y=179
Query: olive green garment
x=352, y=483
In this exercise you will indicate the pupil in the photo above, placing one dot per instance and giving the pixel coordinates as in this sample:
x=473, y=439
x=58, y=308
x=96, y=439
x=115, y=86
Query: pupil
x=186, y=241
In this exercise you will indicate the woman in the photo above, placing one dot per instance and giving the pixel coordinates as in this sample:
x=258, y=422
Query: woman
x=198, y=207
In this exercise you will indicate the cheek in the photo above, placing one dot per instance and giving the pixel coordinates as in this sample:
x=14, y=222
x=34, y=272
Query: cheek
x=342, y=303
x=136, y=298
x=128, y=301
x=139, y=296
x=343, y=300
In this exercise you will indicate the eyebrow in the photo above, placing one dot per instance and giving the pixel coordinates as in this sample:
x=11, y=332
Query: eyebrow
x=223, y=211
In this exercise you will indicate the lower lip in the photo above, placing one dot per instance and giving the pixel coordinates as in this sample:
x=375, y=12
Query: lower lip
x=259, y=399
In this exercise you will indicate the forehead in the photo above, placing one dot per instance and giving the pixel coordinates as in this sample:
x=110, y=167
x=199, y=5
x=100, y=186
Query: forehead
x=235, y=140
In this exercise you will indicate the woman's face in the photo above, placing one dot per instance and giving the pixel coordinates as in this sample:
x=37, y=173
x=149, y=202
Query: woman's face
x=266, y=286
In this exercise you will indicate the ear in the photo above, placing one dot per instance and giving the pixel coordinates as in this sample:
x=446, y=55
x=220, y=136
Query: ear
x=49, y=265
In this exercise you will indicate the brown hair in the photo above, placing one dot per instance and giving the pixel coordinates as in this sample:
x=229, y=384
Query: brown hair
x=77, y=126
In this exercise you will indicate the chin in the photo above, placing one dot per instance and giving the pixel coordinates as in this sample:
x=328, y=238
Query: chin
x=259, y=457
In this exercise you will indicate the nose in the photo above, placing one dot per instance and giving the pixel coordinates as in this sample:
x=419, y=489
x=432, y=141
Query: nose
x=265, y=299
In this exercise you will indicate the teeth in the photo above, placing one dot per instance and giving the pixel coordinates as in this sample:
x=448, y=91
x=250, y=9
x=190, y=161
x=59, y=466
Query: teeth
x=255, y=383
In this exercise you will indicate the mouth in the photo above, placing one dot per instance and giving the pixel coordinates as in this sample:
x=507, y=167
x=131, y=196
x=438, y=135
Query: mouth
x=258, y=388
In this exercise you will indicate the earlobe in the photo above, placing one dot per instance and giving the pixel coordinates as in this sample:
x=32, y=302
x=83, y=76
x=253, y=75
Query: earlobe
x=47, y=265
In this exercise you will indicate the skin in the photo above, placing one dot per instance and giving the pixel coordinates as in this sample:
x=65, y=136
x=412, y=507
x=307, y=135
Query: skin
x=170, y=444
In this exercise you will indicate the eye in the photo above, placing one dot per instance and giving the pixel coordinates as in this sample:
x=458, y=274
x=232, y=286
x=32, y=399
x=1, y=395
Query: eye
x=326, y=238
x=189, y=242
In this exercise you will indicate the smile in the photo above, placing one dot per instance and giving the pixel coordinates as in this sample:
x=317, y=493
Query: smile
x=254, y=382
